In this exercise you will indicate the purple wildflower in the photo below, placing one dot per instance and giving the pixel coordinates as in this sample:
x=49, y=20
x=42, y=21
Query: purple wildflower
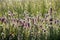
x=57, y=21
x=25, y=24
x=50, y=11
x=5, y=21
x=51, y=19
x=2, y=19
x=18, y=20
x=21, y=22
x=44, y=30
x=51, y=23
x=40, y=26
x=28, y=24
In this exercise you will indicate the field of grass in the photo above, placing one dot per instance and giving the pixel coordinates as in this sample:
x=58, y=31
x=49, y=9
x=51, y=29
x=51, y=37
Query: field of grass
x=29, y=19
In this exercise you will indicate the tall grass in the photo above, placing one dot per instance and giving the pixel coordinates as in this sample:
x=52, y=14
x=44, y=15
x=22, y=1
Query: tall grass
x=29, y=20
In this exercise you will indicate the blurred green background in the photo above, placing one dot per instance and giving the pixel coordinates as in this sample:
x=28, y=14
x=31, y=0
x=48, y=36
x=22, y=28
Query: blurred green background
x=33, y=7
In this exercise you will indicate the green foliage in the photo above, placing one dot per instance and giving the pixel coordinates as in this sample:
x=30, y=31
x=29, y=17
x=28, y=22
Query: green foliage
x=12, y=30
